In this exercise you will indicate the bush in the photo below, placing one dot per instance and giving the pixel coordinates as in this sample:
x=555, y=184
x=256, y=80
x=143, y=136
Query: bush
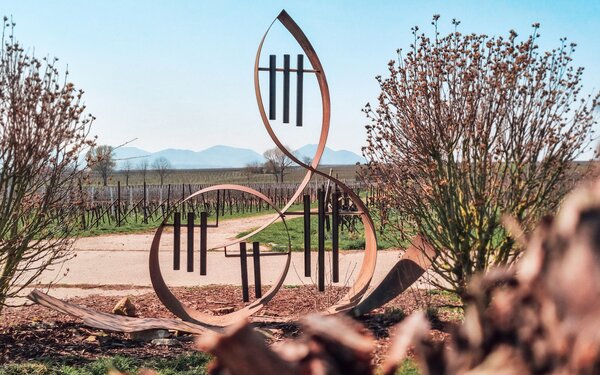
x=43, y=130
x=470, y=127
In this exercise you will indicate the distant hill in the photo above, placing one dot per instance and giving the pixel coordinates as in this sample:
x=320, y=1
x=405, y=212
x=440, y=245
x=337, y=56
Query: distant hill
x=232, y=157
x=181, y=159
x=224, y=157
x=213, y=157
x=331, y=157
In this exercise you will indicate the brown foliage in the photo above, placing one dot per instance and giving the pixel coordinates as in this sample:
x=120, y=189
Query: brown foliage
x=470, y=127
x=328, y=345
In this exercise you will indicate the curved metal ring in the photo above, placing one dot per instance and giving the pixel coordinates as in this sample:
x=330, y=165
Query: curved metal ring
x=188, y=314
x=370, y=258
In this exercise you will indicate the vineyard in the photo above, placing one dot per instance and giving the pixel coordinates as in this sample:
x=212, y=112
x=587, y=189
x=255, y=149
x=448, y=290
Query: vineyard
x=214, y=176
x=118, y=205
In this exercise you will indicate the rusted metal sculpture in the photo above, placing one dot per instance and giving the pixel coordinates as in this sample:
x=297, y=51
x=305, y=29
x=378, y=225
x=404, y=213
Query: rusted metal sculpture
x=188, y=314
x=358, y=299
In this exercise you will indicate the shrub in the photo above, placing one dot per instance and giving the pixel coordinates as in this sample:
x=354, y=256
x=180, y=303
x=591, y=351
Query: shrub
x=470, y=127
x=43, y=130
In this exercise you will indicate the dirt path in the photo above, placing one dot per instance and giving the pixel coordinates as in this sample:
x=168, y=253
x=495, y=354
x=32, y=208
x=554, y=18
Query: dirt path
x=117, y=264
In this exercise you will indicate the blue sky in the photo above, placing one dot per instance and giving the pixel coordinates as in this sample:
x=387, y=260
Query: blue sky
x=178, y=74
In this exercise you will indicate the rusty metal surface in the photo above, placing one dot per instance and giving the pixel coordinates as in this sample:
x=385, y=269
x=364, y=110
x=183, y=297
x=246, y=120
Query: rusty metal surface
x=411, y=266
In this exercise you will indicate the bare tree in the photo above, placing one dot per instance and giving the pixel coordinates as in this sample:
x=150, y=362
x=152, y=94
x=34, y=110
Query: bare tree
x=127, y=168
x=470, y=127
x=143, y=166
x=276, y=163
x=101, y=160
x=252, y=169
x=43, y=132
x=162, y=166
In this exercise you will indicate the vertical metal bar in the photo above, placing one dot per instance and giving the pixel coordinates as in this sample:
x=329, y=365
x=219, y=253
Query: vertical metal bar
x=244, y=267
x=203, y=247
x=257, y=282
x=190, y=242
x=321, y=235
x=335, y=235
x=176, y=240
x=306, y=201
x=286, y=89
x=272, y=86
x=299, y=90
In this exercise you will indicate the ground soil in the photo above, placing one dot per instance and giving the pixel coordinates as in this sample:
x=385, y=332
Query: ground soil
x=36, y=333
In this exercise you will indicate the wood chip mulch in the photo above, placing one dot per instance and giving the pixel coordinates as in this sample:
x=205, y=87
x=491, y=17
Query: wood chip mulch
x=37, y=333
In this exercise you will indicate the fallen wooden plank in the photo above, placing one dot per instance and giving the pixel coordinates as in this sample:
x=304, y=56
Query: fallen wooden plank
x=118, y=323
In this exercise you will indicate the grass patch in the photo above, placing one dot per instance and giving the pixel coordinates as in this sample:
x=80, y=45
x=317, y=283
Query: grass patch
x=186, y=364
x=112, y=228
x=393, y=314
x=136, y=224
x=275, y=236
x=408, y=367
x=451, y=297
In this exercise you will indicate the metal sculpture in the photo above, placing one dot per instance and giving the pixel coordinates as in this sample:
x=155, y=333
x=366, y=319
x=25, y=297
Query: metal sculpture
x=358, y=298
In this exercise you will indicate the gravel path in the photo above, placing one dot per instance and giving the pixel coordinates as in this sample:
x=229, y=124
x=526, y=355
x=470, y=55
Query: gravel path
x=105, y=264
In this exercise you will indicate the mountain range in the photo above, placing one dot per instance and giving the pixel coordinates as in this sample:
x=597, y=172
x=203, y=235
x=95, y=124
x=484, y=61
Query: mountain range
x=224, y=157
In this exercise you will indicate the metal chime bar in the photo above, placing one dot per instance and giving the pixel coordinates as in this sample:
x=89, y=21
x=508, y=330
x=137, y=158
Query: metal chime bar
x=306, y=201
x=176, y=240
x=244, y=267
x=256, y=258
x=321, y=237
x=273, y=69
x=286, y=89
x=203, y=242
x=190, y=241
x=335, y=236
x=272, y=86
x=299, y=89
